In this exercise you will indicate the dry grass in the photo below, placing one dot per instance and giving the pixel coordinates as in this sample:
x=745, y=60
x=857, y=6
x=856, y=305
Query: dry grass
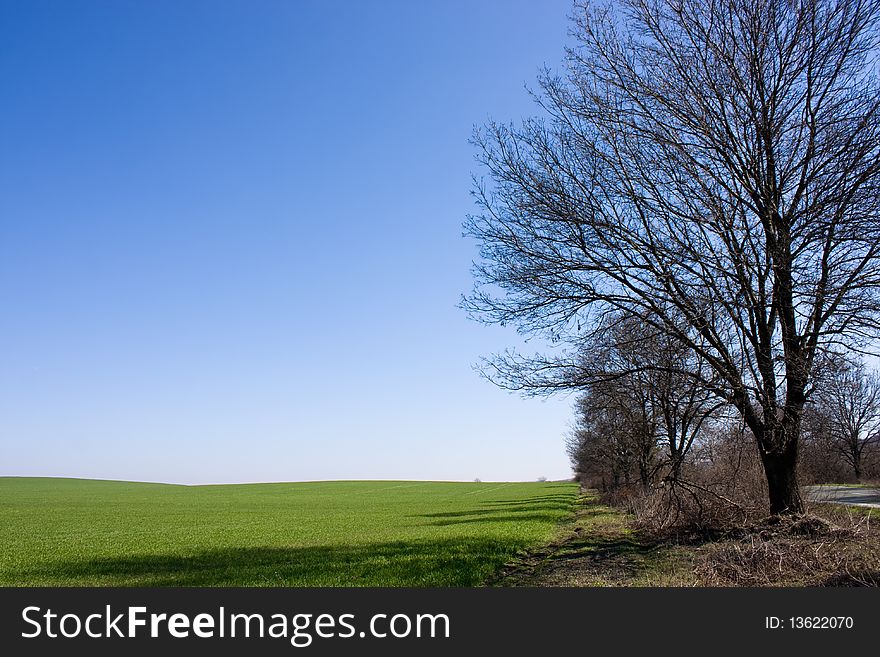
x=835, y=547
x=603, y=546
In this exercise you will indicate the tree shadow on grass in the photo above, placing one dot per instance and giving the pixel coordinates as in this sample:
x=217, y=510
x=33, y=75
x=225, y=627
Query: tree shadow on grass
x=529, y=515
x=547, y=509
x=448, y=562
x=565, y=500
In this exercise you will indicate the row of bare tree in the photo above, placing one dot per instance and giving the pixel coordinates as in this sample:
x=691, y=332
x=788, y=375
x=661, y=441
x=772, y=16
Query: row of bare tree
x=642, y=420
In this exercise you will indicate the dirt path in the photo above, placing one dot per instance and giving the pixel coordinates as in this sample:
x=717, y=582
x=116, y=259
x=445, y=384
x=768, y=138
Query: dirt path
x=596, y=548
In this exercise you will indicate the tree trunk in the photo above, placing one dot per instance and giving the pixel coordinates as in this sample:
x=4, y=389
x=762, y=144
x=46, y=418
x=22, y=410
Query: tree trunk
x=855, y=456
x=781, y=471
x=677, y=462
x=644, y=477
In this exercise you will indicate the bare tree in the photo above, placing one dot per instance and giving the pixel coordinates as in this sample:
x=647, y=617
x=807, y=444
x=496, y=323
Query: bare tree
x=613, y=440
x=637, y=366
x=850, y=400
x=819, y=460
x=711, y=169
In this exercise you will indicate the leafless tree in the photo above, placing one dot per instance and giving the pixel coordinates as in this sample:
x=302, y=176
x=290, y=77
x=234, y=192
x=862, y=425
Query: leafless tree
x=711, y=169
x=819, y=461
x=613, y=441
x=850, y=400
x=628, y=364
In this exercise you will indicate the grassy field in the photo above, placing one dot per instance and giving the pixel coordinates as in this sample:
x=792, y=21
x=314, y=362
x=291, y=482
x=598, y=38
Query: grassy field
x=69, y=532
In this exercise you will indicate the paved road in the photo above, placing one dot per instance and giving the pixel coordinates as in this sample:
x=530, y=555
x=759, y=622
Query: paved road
x=869, y=497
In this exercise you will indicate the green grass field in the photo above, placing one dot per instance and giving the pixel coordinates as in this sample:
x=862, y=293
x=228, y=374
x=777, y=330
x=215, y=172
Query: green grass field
x=69, y=532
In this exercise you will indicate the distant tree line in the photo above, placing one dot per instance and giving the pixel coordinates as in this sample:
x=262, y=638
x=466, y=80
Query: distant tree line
x=653, y=429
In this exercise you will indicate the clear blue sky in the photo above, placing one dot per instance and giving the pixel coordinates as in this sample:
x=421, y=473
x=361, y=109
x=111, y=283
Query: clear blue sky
x=230, y=239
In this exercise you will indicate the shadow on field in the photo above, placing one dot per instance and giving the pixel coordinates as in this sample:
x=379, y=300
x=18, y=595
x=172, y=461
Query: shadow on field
x=478, y=516
x=563, y=501
x=459, y=562
x=545, y=508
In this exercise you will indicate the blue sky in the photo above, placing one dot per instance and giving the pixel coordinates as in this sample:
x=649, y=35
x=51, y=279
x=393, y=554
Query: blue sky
x=230, y=240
